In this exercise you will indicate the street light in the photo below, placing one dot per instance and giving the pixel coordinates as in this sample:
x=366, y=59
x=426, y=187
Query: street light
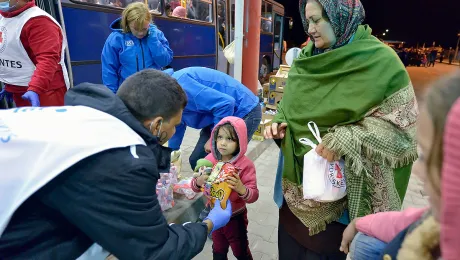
x=384, y=34
x=387, y=30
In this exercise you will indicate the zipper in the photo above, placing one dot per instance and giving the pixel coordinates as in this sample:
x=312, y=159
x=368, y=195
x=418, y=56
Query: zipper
x=142, y=49
x=137, y=63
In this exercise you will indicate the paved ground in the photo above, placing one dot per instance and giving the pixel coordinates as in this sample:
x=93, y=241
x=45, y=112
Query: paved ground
x=263, y=215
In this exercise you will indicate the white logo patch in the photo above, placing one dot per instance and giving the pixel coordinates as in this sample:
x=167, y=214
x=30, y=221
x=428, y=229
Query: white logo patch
x=129, y=43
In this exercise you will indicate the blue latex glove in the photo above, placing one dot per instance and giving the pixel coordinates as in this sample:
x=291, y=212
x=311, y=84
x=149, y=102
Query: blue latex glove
x=32, y=97
x=2, y=94
x=218, y=216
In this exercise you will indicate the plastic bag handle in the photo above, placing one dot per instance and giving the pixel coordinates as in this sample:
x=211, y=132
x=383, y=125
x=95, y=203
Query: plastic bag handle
x=315, y=132
x=308, y=142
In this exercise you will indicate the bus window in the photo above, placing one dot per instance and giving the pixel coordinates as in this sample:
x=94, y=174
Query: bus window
x=120, y=3
x=200, y=10
x=266, y=18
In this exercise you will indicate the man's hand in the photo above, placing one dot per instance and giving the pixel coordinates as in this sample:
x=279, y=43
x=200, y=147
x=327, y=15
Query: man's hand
x=219, y=217
x=326, y=153
x=32, y=97
x=234, y=182
x=207, y=146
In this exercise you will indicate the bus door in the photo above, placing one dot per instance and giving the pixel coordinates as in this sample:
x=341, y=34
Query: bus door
x=278, y=41
x=222, y=34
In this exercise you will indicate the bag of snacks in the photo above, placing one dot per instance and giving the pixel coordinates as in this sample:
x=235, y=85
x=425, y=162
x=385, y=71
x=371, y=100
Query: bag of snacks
x=216, y=187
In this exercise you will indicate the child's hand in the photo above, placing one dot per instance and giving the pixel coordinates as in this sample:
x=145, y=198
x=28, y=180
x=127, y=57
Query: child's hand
x=201, y=180
x=234, y=182
x=347, y=236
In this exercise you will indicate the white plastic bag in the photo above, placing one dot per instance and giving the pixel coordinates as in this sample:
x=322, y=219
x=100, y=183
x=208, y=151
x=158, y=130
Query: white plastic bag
x=322, y=180
x=229, y=52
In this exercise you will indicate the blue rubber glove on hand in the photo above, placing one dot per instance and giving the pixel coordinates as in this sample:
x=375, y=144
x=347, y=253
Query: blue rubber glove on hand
x=218, y=216
x=32, y=97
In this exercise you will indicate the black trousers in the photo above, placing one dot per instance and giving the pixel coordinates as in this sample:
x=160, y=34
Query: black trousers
x=294, y=242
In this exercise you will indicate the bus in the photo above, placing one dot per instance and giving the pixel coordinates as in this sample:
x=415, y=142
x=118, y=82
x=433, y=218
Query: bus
x=197, y=40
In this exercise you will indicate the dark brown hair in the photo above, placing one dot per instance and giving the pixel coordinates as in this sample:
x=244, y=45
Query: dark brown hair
x=227, y=127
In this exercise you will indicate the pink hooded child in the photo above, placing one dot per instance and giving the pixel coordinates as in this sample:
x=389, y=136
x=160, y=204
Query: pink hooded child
x=247, y=170
x=395, y=222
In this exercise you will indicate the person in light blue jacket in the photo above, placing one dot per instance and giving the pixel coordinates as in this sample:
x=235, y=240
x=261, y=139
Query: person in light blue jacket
x=135, y=44
x=212, y=95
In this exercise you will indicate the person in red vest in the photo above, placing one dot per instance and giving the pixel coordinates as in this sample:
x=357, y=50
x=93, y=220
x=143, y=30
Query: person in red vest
x=31, y=55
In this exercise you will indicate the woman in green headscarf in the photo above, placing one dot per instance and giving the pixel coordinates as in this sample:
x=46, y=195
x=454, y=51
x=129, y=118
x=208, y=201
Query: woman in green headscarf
x=359, y=94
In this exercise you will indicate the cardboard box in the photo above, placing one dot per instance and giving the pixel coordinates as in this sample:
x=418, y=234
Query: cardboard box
x=274, y=98
x=261, y=129
x=265, y=90
x=278, y=81
x=283, y=71
x=268, y=116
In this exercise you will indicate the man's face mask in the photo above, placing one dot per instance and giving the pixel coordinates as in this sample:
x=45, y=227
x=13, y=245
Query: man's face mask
x=159, y=130
x=5, y=6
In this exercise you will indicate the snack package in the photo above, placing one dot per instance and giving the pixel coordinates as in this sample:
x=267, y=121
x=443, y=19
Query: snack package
x=216, y=187
x=203, y=166
x=184, y=187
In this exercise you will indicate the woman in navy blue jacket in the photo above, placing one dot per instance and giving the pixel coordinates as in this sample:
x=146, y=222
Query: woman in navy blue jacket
x=135, y=44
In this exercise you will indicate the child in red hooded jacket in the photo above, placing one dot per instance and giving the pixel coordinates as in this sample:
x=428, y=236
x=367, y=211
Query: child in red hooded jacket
x=229, y=144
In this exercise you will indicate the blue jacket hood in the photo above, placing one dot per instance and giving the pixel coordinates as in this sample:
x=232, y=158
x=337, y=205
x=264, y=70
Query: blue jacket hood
x=115, y=26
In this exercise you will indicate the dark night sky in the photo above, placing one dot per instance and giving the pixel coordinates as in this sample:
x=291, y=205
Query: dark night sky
x=412, y=21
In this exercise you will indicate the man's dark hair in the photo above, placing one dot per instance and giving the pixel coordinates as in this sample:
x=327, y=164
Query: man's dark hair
x=151, y=93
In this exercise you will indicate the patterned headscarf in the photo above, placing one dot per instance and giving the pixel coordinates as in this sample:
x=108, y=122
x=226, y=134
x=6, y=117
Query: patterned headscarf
x=344, y=15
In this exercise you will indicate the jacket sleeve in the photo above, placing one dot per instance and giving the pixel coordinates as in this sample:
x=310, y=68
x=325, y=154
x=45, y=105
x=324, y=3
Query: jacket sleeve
x=279, y=117
x=117, y=207
x=45, y=43
x=111, y=63
x=386, y=225
x=248, y=178
x=195, y=186
x=176, y=140
x=159, y=47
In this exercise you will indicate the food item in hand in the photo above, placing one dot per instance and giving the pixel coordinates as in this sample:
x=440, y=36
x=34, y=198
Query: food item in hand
x=219, y=188
x=202, y=162
x=203, y=166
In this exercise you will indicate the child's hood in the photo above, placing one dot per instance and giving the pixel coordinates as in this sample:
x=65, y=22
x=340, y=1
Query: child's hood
x=240, y=128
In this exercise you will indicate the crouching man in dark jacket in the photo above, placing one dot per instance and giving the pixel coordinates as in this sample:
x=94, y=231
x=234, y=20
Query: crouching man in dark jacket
x=107, y=198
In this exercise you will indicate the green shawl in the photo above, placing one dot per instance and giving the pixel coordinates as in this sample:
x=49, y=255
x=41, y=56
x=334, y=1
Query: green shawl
x=362, y=100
